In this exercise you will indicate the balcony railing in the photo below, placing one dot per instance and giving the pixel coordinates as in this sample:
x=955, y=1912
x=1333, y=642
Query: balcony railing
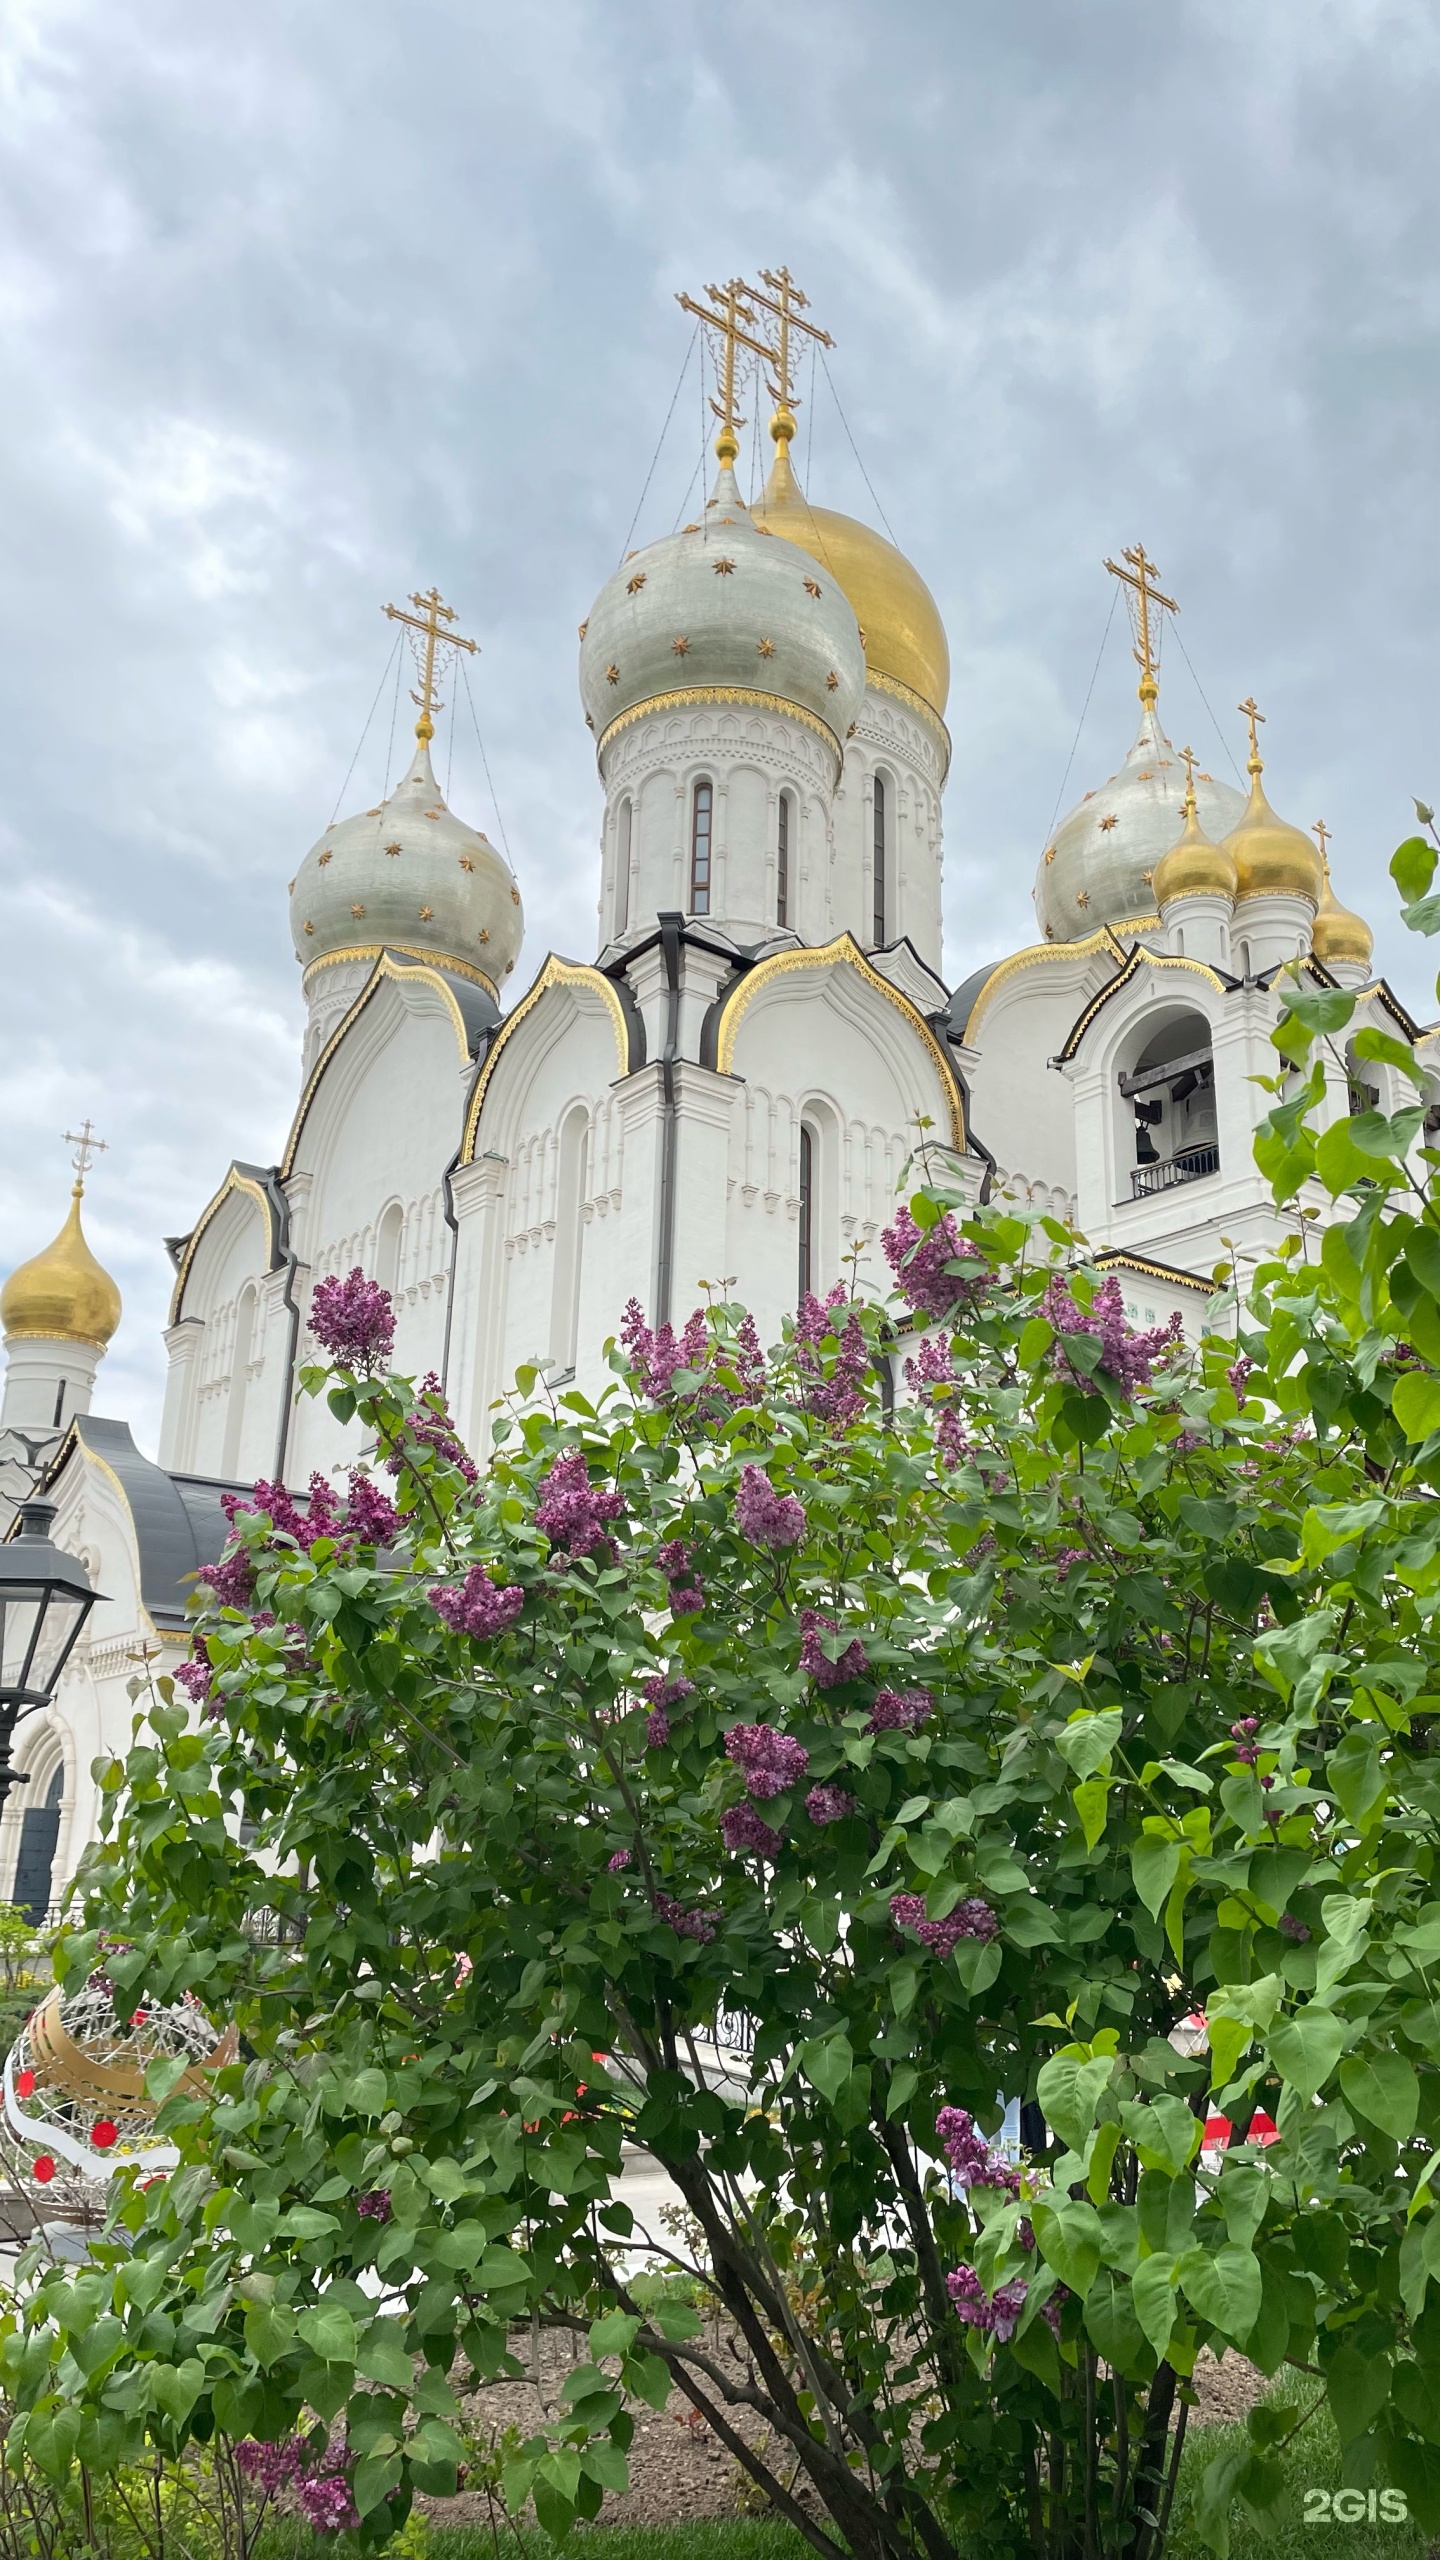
x=1191, y=1165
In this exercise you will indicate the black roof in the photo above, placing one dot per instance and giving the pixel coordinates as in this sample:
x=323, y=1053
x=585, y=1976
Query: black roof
x=179, y=1524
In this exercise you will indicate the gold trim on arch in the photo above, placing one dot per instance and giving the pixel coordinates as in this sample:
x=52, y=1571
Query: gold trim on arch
x=1035, y=953
x=843, y=952
x=913, y=701
x=384, y=968
x=689, y=695
x=410, y=951
x=1114, y=1258
x=556, y=973
x=234, y=1181
x=1139, y=958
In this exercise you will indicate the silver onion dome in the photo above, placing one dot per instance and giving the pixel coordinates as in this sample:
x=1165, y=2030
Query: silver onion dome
x=409, y=877
x=1099, y=865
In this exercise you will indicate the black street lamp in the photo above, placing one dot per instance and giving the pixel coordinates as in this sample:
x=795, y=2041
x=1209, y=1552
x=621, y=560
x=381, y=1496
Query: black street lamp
x=45, y=1599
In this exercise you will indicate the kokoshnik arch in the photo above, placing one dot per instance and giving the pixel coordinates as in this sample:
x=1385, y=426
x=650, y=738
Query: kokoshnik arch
x=730, y=1088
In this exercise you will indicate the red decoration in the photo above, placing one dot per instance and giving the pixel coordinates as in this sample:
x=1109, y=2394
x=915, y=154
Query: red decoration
x=44, y=2169
x=103, y=2134
x=24, y=2084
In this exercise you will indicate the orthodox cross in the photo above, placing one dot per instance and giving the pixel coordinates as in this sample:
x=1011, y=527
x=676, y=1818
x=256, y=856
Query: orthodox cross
x=86, y=1146
x=1322, y=834
x=426, y=620
x=732, y=301
x=1138, y=576
x=1187, y=758
x=1252, y=712
x=785, y=309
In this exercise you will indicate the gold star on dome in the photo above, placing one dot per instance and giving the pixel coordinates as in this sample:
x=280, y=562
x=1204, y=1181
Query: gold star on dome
x=832, y=682
x=465, y=862
x=723, y=568
x=765, y=648
x=1082, y=897
x=357, y=911
x=393, y=849
x=325, y=857
x=309, y=926
x=850, y=732
x=1049, y=853
x=584, y=627
x=812, y=586
x=427, y=915
x=515, y=897
x=635, y=584
x=681, y=646
x=1107, y=823
x=690, y=528
x=1146, y=777
x=612, y=673
x=1149, y=879
x=484, y=933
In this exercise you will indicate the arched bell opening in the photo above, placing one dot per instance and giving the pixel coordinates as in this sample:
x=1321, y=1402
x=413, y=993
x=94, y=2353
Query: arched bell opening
x=1169, y=1132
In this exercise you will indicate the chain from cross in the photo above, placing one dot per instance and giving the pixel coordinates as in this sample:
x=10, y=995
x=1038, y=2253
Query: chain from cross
x=1252, y=712
x=1139, y=576
x=1321, y=833
x=732, y=307
x=785, y=310
x=426, y=620
x=87, y=1146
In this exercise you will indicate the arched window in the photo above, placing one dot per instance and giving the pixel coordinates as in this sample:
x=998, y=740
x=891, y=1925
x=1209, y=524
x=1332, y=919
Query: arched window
x=239, y=1381
x=782, y=861
x=387, y=1248
x=622, y=865
x=35, y=1861
x=569, y=1238
x=879, y=860
x=702, y=809
x=1168, y=1095
x=807, y=1211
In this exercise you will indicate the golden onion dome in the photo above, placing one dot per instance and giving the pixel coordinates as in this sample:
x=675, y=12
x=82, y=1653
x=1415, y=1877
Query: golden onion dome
x=1272, y=859
x=899, y=620
x=62, y=1294
x=1339, y=934
x=1194, y=867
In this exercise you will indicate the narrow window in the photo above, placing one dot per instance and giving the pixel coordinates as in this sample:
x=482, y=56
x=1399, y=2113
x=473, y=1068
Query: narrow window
x=782, y=863
x=700, y=849
x=569, y=1241
x=240, y=1355
x=35, y=1860
x=622, y=868
x=879, y=882
x=807, y=1207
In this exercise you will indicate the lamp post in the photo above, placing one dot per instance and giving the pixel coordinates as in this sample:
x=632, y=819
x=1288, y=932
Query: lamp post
x=45, y=1599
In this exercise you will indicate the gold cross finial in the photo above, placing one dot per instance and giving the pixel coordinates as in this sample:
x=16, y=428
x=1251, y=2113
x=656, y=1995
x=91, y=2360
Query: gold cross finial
x=1252, y=712
x=426, y=620
x=1138, y=576
x=785, y=308
x=86, y=1146
x=1187, y=758
x=1322, y=835
x=732, y=301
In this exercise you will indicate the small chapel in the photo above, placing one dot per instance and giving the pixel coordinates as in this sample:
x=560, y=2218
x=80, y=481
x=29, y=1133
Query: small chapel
x=729, y=1088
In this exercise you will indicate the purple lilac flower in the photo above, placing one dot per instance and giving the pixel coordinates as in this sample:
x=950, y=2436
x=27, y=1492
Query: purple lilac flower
x=616, y=1866
x=1242, y=1735
x=900, y=1711
x=834, y=1394
x=1290, y=1927
x=354, y=1321
x=674, y=1559
x=319, y=2483
x=919, y=1262
x=480, y=1607
x=370, y=1516
x=686, y=1924
x=996, y=2315
x=429, y=1423
x=1126, y=1357
x=374, y=2204
x=1050, y=2309
x=1237, y=1374
x=657, y=1729
x=196, y=1677
x=765, y=1517
x=769, y=1762
x=1067, y=1560
x=231, y=1583
x=666, y=1689
x=971, y=1919
x=686, y=1604
x=572, y=1513
x=742, y=1828
x=972, y=2161
x=932, y=1368
x=852, y=1664
x=657, y=1355
x=828, y=1804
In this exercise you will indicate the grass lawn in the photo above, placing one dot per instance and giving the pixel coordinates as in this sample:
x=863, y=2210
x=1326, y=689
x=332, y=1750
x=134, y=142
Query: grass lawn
x=1313, y=2463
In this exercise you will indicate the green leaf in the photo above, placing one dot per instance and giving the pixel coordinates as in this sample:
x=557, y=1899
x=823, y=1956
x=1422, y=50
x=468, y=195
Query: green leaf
x=649, y=2378
x=1154, y=1865
x=615, y=2334
x=1088, y=1739
x=1422, y=1254
x=1415, y=1403
x=329, y=2332
x=1357, y=2386
x=1152, y=2290
x=382, y=2356
x=1070, y=2238
x=368, y=2093
x=1327, y=1009
x=1412, y=868
x=1069, y=2090
x=1383, y=2088
x=177, y=2387
x=1090, y=1799
x=827, y=2062
x=1305, y=2049
x=1225, y=2289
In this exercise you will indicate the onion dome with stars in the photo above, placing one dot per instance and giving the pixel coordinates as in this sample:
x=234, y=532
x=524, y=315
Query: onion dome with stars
x=1338, y=933
x=1195, y=867
x=1101, y=862
x=906, y=651
x=1272, y=859
x=409, y=876
x=722, y=612
x=62, y=1294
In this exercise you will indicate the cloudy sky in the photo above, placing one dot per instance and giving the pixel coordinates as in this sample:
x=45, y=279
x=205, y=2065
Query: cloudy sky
x=307, y=304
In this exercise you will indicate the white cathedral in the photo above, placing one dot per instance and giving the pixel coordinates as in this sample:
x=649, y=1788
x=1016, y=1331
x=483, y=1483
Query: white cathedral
x=730, y=1088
